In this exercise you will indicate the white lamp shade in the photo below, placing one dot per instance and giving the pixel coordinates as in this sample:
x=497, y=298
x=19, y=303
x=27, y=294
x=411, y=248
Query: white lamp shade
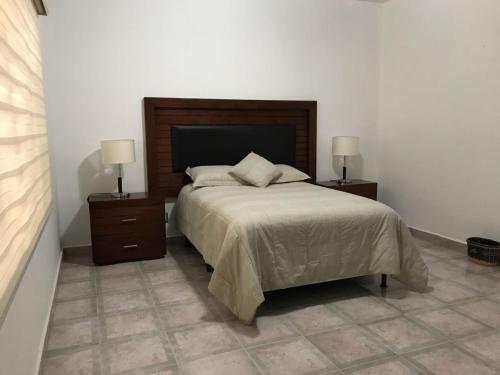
x=117, y=151
x=345, y=145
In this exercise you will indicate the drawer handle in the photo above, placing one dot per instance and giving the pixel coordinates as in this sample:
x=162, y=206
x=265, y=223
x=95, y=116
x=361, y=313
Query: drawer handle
x=130, y=246
x=129, y=220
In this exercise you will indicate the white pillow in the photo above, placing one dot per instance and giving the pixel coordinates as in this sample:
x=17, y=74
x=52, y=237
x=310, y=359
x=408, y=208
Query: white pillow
x=255, y=170
x=212, y=175
x=290, y=174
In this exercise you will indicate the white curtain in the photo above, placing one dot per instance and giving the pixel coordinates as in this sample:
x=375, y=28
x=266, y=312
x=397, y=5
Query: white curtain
x=25, y=191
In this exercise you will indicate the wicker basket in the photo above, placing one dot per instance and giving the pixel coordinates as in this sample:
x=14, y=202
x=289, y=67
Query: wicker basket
x=483, y=251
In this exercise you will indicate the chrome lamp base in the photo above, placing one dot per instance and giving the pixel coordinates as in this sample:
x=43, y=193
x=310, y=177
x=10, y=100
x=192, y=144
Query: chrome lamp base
x=344, y=180
x=120, y=194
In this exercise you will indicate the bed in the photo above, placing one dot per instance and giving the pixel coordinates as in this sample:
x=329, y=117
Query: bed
x=277, y=237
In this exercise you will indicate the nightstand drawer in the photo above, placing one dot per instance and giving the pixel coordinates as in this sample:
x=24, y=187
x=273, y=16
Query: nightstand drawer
x=367, y=191
x=127, y=220
x=111, y=249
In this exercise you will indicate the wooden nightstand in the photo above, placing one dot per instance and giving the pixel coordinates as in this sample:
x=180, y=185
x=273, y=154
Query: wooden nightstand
x=127, y=229
x=366, y=189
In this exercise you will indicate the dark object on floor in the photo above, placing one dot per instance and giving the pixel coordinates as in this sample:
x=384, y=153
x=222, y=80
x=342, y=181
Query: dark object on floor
x=383, y=281
x=483, y=251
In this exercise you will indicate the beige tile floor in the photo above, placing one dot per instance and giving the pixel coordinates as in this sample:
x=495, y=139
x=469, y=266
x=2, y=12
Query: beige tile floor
x=157, y=317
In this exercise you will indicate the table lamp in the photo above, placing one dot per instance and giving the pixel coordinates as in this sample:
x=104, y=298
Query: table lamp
x=345, y=146
x=118, y=151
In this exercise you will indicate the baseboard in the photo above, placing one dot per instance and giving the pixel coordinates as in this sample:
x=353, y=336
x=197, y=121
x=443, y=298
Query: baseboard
x=437, y=238
x=49, y=313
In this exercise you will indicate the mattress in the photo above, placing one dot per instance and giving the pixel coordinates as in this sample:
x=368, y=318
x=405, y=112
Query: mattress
x=285, y=235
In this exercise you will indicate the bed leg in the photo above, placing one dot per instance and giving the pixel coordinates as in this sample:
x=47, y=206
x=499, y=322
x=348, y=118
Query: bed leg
x=187, y=243
x=383, y=281
x=209, y=267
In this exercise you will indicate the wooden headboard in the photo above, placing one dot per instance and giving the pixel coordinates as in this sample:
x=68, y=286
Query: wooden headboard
x=162, y=114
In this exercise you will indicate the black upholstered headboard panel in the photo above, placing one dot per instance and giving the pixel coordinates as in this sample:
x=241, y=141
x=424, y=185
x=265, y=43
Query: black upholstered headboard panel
x=227, y=144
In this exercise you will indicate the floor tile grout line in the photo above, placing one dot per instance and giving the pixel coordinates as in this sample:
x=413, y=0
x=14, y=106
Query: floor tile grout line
x=242, y=347
x=381, y=360
x=97, y=295
x=161, y=327
x=443, y=342
x=454, y=341
x=105, y=343
x=261, y=371
x=452, y=344
x=327, y=331
x=93, y=319
x=443, y=335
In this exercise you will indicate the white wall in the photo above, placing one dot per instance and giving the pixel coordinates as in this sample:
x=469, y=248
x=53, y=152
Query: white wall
x=439, y=122
x=22, y=333
x=102, y=57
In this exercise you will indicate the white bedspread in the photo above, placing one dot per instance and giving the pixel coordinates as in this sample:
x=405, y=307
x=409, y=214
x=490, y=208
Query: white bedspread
x=285, y=235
